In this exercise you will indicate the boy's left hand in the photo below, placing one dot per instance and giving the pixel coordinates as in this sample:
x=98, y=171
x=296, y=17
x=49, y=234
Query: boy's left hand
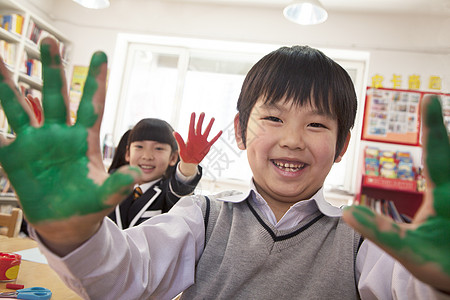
x=197, y=145
x=423, y=246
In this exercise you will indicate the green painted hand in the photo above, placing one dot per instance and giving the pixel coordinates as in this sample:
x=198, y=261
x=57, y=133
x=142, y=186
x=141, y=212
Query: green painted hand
x=423, y=246
x=56, y=169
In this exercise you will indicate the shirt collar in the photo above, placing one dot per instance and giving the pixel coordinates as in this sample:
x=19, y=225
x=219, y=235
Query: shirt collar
x=145, y=186
x=317, y=201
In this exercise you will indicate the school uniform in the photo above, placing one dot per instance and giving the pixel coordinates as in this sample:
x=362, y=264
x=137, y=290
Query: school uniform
x=233, y=248
x=157, y=197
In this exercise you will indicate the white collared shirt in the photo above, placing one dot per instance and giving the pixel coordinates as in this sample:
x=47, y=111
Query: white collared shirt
x=157, y=258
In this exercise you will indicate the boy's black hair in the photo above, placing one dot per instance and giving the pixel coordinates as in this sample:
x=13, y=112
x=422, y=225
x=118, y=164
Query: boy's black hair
x=305, y=76
x=151, y=129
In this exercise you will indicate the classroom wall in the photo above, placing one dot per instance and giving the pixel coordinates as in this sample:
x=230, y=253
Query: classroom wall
x=398, y=44
x=96, y=29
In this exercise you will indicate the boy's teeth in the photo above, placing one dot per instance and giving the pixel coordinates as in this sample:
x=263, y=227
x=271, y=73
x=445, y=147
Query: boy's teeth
x=289, y=166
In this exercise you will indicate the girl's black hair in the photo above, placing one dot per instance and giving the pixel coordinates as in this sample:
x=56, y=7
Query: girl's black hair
x=151, y=129
x=157, y=130
x=119, y=155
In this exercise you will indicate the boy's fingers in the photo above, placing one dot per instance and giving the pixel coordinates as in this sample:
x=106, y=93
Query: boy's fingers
x=380, y=229
x=90, y=110
x=119, y=184
x=54, y=93
x=436, y=141
x=14, y=105
x=92, y=102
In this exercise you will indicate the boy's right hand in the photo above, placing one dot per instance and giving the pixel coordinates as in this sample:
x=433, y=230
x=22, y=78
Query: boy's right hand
x=56, y=169
x=422, y=246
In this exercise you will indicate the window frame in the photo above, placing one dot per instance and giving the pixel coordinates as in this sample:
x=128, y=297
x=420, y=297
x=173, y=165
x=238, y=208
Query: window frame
x=113, y=120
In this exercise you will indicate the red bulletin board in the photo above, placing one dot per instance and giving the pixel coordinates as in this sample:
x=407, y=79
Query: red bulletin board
x=393, y=116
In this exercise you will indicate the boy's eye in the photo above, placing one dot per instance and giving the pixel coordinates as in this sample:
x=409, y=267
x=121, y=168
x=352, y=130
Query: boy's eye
x=317, y=125
x=272, y=118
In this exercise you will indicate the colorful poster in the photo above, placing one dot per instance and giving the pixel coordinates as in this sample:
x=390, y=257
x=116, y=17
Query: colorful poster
x=79, y=76
x=392, y=116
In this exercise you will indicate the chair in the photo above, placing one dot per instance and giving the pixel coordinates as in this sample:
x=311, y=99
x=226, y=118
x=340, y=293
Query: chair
x=11, y=222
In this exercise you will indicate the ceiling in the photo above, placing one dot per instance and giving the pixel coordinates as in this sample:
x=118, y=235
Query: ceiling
x=411, y=7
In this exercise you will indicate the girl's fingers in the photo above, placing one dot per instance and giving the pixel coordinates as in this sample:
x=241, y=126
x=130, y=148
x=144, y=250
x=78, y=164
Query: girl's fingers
x=55, y=100
x=208, y=128
x=180, y=142
x=198, y=130
x=215, y=138
x=191, y=126
x=14, y=105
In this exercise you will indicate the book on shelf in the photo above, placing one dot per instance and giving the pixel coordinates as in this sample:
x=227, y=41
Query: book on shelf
x=382, y=206
x=12, y=23
x=34, y=68
x=8, y=52
x=33, y=32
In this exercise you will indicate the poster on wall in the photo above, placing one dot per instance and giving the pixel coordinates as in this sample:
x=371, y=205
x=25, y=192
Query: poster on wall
x=393, y=116
x=79, y=76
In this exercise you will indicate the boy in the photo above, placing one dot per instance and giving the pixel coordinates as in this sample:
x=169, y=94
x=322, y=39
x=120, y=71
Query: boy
x=280, y=240
x=152, y=148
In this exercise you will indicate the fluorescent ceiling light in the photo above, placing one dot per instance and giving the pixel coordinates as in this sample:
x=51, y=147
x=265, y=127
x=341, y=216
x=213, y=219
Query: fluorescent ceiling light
x=94, y=4
x=307, y=12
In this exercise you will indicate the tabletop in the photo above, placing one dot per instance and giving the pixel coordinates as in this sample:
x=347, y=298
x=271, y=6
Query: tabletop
x=33, y=273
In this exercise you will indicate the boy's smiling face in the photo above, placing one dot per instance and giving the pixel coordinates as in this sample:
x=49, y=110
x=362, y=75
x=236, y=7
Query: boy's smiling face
x=153, y=158
x=290, y=150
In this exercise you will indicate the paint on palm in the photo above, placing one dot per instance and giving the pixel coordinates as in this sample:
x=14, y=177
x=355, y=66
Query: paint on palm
x=429, y=242
x=48, y=166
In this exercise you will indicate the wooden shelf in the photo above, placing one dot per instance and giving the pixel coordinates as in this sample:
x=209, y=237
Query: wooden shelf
x=402, y=192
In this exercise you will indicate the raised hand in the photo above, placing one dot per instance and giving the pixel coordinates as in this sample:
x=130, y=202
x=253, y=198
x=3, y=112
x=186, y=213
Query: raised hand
x=423, y=246
x=197, y=145
x=56, y=169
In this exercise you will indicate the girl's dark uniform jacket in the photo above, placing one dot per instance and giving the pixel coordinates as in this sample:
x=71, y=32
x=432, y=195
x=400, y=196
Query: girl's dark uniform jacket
x=158, y=199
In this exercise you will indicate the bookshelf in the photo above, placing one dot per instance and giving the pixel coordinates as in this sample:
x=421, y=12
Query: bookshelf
x=403, y=193
x=20, y=35
x=21, y=30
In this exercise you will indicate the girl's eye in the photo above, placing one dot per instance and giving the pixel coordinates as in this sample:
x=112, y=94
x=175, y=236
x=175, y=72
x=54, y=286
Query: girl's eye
x=317, y=125
x=272, y=118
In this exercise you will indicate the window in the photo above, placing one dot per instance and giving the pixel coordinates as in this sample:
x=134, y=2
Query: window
x=169, y=78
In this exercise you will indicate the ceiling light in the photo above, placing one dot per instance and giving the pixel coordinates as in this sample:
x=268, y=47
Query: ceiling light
x=307, y=12
x=95, y=4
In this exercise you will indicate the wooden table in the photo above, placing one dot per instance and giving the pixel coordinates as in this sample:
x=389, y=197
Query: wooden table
x=33, y=273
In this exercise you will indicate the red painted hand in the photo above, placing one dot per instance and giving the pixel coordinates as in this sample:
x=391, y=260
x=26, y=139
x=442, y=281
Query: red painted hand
x=197, y=145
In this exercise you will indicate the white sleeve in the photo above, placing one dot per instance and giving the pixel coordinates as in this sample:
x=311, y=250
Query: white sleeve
x=379, y=276
x=182, y=178
x=155, y=260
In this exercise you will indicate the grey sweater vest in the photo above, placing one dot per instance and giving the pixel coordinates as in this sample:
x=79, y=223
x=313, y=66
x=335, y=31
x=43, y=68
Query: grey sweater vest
x=245, y=257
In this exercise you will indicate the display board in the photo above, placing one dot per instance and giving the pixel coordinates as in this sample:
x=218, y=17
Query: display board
x=393, y=116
